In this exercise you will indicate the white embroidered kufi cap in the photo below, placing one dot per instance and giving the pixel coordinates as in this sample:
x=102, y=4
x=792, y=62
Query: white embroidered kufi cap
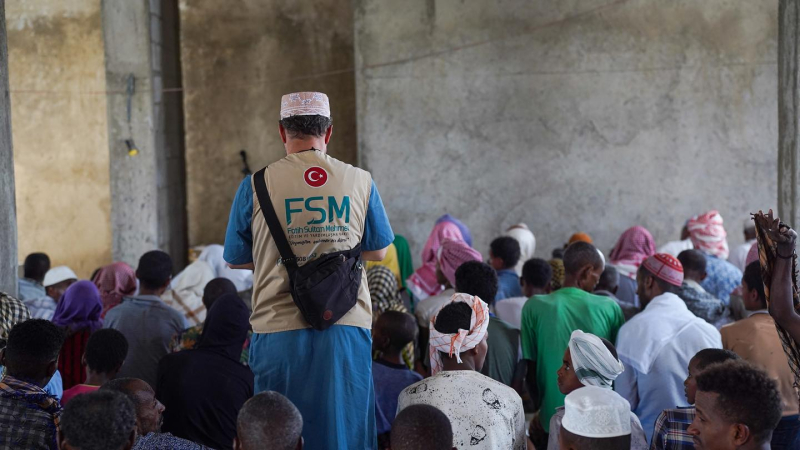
x=305, y=104
x=596, y=412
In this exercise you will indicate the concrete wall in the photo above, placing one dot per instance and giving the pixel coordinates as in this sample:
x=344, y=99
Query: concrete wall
x=148, y=210
x=8, y=201
x=59, y=131
x=578, y=115
x=238, y=59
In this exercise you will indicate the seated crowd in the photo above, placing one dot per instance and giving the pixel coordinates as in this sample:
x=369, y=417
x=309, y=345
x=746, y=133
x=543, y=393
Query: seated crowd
x=645, y=348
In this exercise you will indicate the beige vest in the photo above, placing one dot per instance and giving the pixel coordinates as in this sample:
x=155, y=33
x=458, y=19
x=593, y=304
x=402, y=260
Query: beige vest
x=322, y=205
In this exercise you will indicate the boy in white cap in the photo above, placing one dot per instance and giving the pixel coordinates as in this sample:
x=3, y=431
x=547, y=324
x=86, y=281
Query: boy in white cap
x=595, y=418
x=590, y=361
x=56, y=281
x=322, y=206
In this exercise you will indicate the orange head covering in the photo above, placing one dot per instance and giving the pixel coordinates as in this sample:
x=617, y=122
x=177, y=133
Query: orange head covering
x=580, y=237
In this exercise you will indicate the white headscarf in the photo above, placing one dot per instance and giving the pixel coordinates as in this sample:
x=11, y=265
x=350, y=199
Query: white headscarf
x=454, y=344
x=527, y=243
x=186, y=291
x=592, y=362
x=241, y=278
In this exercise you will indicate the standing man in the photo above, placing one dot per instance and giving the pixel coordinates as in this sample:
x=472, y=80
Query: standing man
x=549, y=320
x=323, y=206
x=657, y=344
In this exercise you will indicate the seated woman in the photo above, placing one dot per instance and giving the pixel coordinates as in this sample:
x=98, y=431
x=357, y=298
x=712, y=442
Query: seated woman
x=208, y=384
x=78, y=313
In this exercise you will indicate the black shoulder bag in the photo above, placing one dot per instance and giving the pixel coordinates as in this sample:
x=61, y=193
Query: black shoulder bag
x=324, y=289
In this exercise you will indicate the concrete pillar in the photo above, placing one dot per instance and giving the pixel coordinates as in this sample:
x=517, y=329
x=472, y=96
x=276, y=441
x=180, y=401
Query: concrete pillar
x=147, y=186
x=8, y=218
x=788, y=110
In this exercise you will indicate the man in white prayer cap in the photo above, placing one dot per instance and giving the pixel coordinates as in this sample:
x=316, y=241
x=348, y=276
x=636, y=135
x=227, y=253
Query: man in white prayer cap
x=56, y=281
x=595, y=418
x=318, y=206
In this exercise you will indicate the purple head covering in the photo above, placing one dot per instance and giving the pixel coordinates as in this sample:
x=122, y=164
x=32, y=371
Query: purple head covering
x=464, y=230
x=80, y=307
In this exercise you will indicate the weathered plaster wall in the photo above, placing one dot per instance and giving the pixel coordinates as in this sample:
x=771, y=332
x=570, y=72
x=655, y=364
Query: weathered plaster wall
x=238, y=59
x=59, y=131
x=576, y=115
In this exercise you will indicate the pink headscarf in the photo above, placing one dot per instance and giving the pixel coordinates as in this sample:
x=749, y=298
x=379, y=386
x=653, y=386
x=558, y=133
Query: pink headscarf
x=634, y=246
x=708, y=235
x=455, y=344
x=452, y=254
x=115, y=281
x=422, y=282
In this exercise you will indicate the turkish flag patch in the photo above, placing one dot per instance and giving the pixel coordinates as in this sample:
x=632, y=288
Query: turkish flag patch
x=316, y=177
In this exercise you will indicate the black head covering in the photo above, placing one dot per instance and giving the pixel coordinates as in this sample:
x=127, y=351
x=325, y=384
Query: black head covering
x=226, y=327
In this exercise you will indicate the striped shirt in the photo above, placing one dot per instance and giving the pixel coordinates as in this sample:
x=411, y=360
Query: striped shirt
x=70, y=360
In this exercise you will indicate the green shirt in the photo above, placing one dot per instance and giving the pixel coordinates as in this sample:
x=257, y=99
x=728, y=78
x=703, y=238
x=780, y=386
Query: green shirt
x=547, y=323
x=503, y=353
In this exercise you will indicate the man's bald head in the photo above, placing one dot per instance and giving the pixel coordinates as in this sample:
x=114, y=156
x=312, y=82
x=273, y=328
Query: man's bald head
x=269, y=421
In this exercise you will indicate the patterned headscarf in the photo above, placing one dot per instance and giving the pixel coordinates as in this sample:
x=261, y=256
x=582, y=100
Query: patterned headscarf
x=633, y=247
x=592, y=361
x=423, y=283
x=527, y=244
x=115, y=281
x=12, y=312
x=383, y=289
x=452, y=254
x=386, y=297
x=708, y=235
x=557, y=281
x=455, y=344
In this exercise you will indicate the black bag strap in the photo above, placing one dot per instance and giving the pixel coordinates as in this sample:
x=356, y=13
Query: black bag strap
x=287, y=256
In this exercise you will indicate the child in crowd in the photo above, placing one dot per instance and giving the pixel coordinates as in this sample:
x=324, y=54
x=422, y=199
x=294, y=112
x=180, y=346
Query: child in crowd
x=392, y=332
x=105, y=352
x=672, y=424
x=422, y=427
x=504, y=253
x=590, y=361
x=536, y=278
